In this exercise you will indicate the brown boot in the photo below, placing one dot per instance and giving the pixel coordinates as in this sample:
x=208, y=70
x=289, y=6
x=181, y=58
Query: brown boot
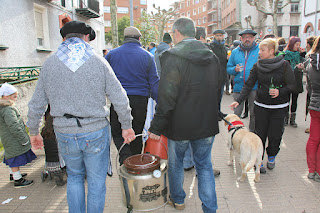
x=307, y=130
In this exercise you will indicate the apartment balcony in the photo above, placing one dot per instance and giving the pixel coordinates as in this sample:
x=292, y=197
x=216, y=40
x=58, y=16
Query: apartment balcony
x=89, y=8
x=212, y=10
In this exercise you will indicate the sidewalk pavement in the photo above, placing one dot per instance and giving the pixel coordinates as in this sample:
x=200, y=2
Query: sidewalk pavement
x=285, y=189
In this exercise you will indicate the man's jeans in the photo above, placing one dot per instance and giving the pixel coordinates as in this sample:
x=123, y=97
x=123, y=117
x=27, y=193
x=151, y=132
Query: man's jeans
x=188, y=159
x=202, y=158
x=86, y=154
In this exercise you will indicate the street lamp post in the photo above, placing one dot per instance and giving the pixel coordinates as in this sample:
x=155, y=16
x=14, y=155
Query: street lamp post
x=247, y=19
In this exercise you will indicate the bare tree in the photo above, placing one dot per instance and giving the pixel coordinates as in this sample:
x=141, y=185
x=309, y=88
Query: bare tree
x=272, y=11
x=161, y=18
x=114, y=23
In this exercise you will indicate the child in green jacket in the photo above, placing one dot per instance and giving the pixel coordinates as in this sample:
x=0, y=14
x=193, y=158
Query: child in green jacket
x=15, y=140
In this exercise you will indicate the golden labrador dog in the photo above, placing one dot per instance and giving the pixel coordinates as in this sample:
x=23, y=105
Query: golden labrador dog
x=247, y=144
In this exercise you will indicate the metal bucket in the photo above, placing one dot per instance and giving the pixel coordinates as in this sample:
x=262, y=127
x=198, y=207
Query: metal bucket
x=144, y=192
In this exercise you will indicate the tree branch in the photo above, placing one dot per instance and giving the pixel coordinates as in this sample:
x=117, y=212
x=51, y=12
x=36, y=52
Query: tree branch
x=289, y=1
x=258, y=6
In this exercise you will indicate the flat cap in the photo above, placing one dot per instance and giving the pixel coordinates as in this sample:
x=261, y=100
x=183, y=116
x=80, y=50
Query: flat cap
x=219, y=31
x=247, y=31
x=77, y=27
x=131, y=32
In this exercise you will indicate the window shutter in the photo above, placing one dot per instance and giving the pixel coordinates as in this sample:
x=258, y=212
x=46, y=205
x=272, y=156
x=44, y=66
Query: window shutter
x=39, y=24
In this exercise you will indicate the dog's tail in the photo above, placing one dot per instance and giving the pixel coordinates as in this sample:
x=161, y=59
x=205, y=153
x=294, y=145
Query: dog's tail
x=251, y=162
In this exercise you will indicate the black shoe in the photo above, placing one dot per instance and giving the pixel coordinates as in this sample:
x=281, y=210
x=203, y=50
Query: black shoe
x=59, y=180
x=216, y=172
x=22, y=183
x=188, y=169
x=23, y=175
x=245, y=115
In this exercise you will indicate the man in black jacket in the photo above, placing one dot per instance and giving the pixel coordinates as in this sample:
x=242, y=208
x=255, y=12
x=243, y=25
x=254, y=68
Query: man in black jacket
x=187, y=111
x=217, y=46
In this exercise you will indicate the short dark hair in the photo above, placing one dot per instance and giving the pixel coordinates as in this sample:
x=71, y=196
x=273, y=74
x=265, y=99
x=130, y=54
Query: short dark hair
x=269, y=36
x=311, y=40
x=152, y=44
x=281, y=41
x=200, y=32
x=185, y=26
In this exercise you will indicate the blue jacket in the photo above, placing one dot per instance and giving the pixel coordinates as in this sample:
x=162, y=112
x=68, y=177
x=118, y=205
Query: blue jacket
x=135, y=68
x=238, y=55
x=153, y=50
x=160, y=49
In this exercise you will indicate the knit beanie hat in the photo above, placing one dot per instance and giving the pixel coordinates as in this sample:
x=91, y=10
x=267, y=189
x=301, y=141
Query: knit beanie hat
x=7, y=89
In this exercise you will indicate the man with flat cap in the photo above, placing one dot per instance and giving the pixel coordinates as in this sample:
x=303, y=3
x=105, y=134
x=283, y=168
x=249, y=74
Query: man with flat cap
x=240, y=64
x=75, y=81
x=136, y=70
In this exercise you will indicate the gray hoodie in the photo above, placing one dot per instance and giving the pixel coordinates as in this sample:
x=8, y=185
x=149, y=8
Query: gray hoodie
x=313, y=70
x=82, y=93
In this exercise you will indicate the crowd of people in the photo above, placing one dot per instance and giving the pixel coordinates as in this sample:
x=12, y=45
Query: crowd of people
x=185, y=80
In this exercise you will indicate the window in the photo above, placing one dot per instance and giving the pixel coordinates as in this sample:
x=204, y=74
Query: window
x=204, y=8
x=279, y=31
x=214, y=4
x=123, y=10
x=294, y=8
x=182, y=15
x=41, y=24
x=204, y=19
x=194, y=12
x=294, y=31
x=188, y=14
x=106, y=9
x=279, y=10
x=192, y=1
x=188, y=3
x=143, y=2
x=228, y=18
x=199, y=21
x=107, y=23
x=199, y=10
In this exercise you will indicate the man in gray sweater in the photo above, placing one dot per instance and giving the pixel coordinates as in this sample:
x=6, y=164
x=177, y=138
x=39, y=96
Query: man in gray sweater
x=75, y=82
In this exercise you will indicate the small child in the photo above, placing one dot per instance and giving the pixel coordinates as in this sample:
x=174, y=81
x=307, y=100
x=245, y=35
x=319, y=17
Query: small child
x=14, y=138
x=54, y=164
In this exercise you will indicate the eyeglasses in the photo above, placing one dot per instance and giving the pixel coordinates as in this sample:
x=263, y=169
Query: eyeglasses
x=247, y=37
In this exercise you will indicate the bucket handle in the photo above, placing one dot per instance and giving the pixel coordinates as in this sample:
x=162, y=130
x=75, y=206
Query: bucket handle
x=143, y=134
x=118, y=154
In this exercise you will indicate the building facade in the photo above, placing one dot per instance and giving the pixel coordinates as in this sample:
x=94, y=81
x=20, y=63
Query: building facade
x=123, y=9
x=204, y=13
x=237, y=15
x=310, y=19
x=30, y=30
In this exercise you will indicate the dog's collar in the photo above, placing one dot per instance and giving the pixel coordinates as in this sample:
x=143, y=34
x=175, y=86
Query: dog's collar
x=235, y=125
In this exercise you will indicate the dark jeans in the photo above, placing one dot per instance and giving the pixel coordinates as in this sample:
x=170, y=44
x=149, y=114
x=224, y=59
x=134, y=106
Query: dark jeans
x=269, y=123
x=138, y=105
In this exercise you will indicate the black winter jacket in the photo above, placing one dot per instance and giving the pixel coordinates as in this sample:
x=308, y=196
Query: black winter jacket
x=269, y=73
x=221, y=52
x=187, y=103
x=313, y=70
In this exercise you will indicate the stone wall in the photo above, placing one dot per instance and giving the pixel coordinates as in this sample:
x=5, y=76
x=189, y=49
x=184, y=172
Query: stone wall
x=25, y=92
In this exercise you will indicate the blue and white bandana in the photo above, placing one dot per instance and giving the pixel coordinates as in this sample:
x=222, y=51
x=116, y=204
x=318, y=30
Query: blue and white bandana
x=74, y=52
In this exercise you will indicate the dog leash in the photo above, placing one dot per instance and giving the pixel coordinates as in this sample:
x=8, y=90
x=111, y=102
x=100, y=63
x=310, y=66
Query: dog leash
x=233, y=127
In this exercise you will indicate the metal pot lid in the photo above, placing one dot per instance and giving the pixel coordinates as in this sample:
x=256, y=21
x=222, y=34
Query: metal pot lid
x=142, y=163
